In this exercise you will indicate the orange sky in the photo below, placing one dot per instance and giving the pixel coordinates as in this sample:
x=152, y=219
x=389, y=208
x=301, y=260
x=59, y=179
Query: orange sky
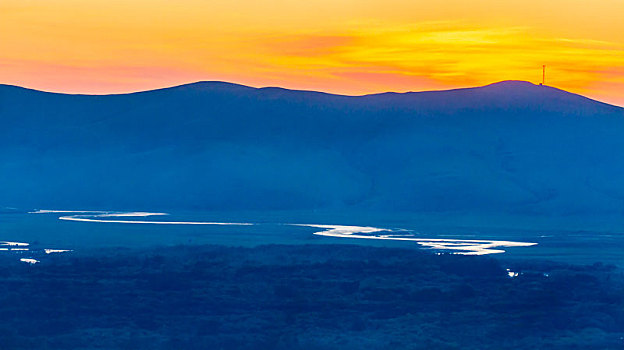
x=341, y=46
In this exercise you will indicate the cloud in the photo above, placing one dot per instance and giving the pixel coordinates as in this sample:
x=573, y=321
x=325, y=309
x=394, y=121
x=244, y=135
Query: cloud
x=307, y=44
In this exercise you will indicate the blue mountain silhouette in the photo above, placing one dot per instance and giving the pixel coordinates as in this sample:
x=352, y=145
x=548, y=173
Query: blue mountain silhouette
x=510, y=147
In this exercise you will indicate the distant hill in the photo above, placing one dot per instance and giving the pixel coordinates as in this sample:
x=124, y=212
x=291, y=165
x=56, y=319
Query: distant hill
x=510, y=147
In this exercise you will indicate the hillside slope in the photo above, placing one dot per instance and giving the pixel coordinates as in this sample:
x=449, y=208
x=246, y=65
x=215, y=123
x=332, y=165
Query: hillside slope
x=510, y=147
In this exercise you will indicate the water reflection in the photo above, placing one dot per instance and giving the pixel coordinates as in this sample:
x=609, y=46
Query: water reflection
x=459, y=246
x=456, y=246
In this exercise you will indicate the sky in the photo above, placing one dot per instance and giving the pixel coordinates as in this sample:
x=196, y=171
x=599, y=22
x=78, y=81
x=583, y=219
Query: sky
x=339, y=46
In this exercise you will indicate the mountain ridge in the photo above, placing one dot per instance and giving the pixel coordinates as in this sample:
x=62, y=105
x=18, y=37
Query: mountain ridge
x=211, y=85
x=510, y=147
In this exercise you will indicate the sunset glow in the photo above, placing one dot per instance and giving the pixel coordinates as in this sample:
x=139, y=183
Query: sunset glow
x=339, y=46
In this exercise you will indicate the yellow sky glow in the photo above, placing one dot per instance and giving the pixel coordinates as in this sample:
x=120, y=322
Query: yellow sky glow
x=340, y=46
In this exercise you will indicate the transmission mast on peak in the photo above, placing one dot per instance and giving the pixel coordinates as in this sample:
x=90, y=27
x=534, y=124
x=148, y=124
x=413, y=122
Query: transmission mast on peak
x=543, y=74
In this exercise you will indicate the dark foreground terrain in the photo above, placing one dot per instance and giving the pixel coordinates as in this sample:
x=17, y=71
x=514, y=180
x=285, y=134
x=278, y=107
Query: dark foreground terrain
x=305, y=297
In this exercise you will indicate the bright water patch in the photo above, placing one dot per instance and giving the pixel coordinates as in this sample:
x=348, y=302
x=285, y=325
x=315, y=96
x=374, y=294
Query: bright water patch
x=55, y=251
x=457, y=246
x=513, y=274
x=99, y=216
x=42, y=211
x=14, y=244
x=556, y=242
x=21, y=247
x=30, y=261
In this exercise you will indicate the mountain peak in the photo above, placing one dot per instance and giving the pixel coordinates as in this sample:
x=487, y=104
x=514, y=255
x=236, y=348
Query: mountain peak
x=208, y=86
x=512, y=84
